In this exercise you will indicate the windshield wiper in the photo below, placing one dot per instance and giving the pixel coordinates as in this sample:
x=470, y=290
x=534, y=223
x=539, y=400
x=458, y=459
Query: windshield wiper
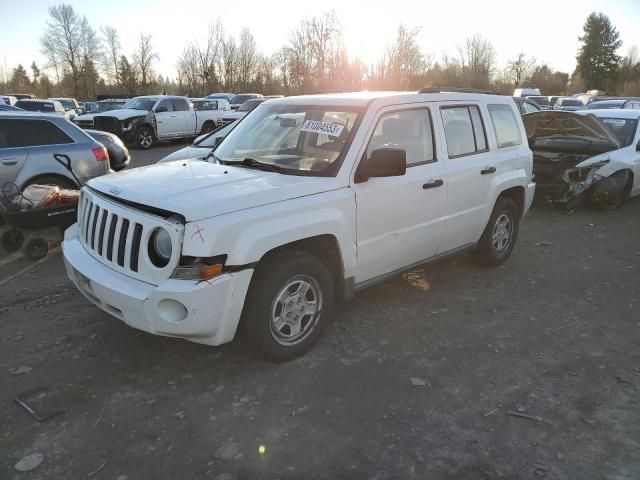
x=253, y=163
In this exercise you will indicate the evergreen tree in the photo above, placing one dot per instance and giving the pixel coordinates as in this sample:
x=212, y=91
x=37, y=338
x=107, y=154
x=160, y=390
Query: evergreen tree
x=597, y=58
x=19, y=81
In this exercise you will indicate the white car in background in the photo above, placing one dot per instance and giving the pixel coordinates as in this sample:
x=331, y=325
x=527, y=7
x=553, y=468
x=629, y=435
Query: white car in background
x=568, y=104
x=240, y=98
x=245, y=108
x=201, y=147
x=71, y=107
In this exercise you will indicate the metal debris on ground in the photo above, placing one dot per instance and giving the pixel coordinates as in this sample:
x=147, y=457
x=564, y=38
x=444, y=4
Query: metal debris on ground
x=21, y=370
x=524, y=415
x=33, y=402
x=96, y=471
x=419, y=382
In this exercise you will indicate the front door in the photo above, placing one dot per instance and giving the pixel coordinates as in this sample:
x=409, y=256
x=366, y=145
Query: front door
x=166, y=120
x=400, y=219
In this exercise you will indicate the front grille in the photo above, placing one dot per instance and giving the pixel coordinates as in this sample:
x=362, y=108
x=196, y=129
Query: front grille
x=118, y=236
x=85, y=124
x=99, y=227
x=107, y=124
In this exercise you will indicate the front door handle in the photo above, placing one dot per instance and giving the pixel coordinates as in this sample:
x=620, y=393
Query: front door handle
x=173, y=116
x=9, y=162
x=433, y=184
x=487, y=170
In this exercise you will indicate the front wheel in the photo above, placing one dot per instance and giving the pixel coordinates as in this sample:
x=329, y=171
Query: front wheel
x=287, y=305
x=500, y=234
x=144, y=138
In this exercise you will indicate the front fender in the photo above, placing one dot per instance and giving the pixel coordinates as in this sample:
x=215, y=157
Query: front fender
x=246, y=236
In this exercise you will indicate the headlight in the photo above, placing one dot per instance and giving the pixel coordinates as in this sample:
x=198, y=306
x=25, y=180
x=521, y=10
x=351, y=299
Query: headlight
x=160, y=247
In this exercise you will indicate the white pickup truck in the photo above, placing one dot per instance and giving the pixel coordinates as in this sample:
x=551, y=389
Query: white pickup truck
x=144, y=120
x=308, y=200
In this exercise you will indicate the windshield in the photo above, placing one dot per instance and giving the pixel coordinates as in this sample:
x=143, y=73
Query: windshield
x=68, y=104
x=249, y=105
x=140, y=103
x=35, y=106
x=624, y=129
x=295, y=138
x=238, y=99
x=570, y=102
x=210, y=140
x=106, y=106
x=605, y=105
x=543, y=101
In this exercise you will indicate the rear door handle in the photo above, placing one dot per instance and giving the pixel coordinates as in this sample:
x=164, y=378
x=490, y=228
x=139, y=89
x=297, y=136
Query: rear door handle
x=173, y=116
x=433, y=184
x=9, y=162
x=487, y=170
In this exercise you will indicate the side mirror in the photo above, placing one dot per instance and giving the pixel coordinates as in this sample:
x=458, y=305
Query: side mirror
x=161, y=109
x=384, y=162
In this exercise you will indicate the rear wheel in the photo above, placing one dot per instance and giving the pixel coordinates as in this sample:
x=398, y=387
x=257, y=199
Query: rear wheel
x=208, y=126
x=36, y=248
x=500, y=234
x=287, y=305
x=144, y=138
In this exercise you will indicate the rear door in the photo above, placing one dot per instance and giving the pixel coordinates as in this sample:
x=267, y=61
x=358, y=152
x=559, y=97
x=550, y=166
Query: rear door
x=400, y=219
x=13, y=154
x=166, y=119
x=470, y=166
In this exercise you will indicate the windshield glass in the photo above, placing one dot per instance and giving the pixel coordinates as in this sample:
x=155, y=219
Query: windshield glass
x=295, y=138
x=623, y=129
x=35, y=106
x=140, y=103
x=68, y=104
x=544, y=101
x=570, y=102
x=238, y=99
x=249, y=105
x=210, y=140
x=606, y=105
x=106, y=106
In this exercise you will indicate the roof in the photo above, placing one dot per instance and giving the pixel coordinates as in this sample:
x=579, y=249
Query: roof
x=26, y=114
x=613, y=113
x=37, y=100
x=361, y=99
x=61, y=98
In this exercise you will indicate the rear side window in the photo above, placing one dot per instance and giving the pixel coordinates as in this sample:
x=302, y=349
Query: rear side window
x=409, y=130
x=505, y=125
x=179, y=104
x=464, y=130
x=30, y=133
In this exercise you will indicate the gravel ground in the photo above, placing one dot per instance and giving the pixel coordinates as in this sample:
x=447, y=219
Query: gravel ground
x=451, y=371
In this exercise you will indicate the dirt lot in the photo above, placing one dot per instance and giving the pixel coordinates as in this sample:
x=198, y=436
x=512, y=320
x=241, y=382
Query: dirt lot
x=530, y=370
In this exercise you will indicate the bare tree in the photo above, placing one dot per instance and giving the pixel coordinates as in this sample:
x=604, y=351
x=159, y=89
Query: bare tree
x=247, y=58
x=230, y=63
x=477, y=59
x=113, y=52
x=62, y=41
x=520, y=68
x=143, y=59
x=403, y=61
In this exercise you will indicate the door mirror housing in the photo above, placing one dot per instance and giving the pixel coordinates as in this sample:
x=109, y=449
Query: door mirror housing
x=161, y=109
x=384, y=162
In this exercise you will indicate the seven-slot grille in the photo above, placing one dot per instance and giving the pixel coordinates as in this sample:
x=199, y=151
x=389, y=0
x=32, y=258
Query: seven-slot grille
x=85, y=123
x=109, y=234
x=107, y=124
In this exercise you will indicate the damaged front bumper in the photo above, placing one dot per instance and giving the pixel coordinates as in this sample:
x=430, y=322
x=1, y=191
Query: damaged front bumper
x=573, y=184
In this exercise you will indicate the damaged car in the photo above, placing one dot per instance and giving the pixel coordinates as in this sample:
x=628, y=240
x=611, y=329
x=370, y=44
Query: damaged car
x=586, y=155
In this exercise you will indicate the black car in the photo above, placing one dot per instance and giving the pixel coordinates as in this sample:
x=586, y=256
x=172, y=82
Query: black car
x=118, y=153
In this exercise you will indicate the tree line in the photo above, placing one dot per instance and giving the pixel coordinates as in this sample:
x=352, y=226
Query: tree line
x=82, y=62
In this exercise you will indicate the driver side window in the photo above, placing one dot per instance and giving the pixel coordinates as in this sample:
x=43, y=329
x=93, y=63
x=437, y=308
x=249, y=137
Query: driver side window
x=164, y=104
x=408, y=130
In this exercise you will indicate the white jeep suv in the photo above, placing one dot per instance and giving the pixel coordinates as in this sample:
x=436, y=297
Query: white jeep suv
x=308, y=200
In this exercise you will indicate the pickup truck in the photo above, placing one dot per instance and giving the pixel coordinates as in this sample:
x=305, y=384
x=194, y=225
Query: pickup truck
x=305, y=202
x=143, y=121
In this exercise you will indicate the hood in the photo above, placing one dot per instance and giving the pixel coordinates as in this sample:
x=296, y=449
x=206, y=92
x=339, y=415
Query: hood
x=198, y=190
x=186, y=153
x=553, y=128
x=87, y=116
x=123, y=113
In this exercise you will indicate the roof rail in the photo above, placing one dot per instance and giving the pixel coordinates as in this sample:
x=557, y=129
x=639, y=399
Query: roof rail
x=458, y=90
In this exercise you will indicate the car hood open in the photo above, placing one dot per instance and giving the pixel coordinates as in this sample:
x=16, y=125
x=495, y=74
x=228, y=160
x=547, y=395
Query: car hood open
x=197, y=189
x=556, y=128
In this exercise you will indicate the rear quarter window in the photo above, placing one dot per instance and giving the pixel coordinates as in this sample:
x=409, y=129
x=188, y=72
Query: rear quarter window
x=505, y=125
x=31, y=133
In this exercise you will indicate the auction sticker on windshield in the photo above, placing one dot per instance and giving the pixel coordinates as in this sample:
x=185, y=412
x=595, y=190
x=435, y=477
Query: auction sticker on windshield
x=328, y=128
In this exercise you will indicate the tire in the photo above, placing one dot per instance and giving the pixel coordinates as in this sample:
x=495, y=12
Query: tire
x=611, y=192
x=36, y=248
x=52, y=180
x=145, y=139
x=11, y=240
x=281, y=321
x=500, y=234
x=208, y=126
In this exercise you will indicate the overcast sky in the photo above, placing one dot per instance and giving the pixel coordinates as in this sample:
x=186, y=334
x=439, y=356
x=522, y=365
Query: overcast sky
x=545, y=29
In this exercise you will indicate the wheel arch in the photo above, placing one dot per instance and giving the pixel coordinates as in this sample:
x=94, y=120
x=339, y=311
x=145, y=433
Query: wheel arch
x=63, y=179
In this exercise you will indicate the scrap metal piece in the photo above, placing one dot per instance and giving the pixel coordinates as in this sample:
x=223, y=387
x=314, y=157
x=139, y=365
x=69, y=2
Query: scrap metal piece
x=32, y=401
